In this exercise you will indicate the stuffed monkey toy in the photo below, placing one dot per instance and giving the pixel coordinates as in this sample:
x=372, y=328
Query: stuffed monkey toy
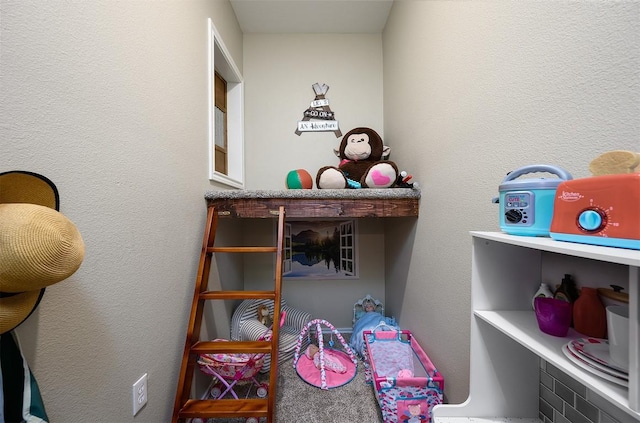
x=361, y=154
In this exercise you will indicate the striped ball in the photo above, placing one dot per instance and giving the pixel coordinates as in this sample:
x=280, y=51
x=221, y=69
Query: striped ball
x=299, y=179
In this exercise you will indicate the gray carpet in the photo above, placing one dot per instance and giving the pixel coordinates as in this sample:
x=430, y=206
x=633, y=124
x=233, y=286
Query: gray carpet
x=297, y=401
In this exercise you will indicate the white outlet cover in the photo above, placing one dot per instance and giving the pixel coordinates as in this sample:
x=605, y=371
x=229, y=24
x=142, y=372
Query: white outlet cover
x=139, y=394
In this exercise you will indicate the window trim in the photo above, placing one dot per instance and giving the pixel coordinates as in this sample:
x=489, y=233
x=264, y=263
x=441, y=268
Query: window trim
x=220, y=61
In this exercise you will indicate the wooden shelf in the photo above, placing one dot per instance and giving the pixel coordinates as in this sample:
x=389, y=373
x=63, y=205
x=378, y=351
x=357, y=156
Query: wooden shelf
x=316, y=203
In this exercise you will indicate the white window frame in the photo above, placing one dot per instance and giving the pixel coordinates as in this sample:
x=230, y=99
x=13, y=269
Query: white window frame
x=348, y=246
x=287, y=259
x=220, y=60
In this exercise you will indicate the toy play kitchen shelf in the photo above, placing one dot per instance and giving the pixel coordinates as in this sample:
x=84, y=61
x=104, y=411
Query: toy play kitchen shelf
x=506, y=343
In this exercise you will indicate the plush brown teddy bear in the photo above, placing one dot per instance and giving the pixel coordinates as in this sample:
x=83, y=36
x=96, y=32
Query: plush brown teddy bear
x=361, y=165
x=264, y=317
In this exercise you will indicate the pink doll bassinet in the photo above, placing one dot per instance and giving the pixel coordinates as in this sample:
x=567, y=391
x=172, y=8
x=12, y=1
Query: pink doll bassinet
x=406, y=383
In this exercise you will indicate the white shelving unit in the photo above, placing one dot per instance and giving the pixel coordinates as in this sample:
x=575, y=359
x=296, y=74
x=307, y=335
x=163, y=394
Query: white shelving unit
x=506, y=343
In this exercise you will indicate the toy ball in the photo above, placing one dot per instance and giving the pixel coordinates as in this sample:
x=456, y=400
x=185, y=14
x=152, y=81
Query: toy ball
x=299, y=179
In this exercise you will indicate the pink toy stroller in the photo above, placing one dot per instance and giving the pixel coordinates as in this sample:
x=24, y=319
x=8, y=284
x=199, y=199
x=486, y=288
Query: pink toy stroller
x=229, y=370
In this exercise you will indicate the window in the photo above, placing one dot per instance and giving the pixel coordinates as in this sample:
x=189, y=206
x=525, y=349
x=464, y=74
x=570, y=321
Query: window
x=226, y=115
x=347, y=248
x=220, y=124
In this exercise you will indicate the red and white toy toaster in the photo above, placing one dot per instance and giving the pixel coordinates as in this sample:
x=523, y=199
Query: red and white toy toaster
x=599, y=210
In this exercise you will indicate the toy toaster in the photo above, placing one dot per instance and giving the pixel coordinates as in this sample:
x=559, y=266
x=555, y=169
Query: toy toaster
x=600, y=210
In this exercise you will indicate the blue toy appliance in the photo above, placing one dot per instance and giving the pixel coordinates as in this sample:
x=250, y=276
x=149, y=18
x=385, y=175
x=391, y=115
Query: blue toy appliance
x=526, y=204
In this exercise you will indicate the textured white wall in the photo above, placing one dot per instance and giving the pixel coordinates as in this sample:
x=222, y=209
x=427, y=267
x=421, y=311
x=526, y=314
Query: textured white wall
x=109, y=100
x=279, y=72
x=474, y=90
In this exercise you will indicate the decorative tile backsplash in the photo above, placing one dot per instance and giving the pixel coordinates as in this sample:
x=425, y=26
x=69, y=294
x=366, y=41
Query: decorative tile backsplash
x=563, y=400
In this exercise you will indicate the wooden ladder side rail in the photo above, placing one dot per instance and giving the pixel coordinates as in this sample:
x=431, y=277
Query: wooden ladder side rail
x=189, y=408
x=195, y=319
x=275, y=340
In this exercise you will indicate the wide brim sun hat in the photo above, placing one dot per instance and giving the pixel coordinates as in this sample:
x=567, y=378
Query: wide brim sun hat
x=39, y=246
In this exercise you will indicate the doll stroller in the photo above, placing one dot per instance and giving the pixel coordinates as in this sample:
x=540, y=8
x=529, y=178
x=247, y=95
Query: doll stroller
x=230, y=370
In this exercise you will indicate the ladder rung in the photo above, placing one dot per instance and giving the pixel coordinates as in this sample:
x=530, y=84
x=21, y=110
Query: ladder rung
x=210, y=347
x=242, y=249
x=237, y=295
x=213, y=408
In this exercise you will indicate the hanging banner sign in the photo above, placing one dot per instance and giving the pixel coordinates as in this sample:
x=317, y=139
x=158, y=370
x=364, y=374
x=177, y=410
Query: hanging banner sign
x=320, y=103
x=315, y=126
x=319, y=114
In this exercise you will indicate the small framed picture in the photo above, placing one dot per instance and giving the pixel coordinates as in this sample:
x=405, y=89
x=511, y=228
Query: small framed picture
x=321, y=250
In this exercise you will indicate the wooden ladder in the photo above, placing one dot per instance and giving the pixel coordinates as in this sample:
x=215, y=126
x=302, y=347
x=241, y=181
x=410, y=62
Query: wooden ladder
x=186, y=408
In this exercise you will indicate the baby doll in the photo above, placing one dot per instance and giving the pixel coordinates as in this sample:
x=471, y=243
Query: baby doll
x=263, y=316
x=331, y=362
x=368, y=306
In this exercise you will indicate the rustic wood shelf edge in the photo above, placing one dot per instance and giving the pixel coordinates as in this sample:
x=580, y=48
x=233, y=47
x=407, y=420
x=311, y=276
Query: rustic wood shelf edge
x=391, y=202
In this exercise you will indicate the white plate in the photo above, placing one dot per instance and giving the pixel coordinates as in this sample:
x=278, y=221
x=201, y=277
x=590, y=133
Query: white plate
x=598, y=365
x=586, y=366
x=597, y=350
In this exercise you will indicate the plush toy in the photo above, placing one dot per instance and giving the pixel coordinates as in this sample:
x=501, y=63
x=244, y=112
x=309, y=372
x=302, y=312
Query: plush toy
x=264, y=317
x=361, y=154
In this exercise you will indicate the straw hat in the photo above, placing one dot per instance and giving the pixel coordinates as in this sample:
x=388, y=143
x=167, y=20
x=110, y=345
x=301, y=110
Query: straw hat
x=39, y=246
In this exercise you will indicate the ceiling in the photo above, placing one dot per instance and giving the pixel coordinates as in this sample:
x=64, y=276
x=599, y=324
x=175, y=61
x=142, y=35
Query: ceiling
x=312, y=16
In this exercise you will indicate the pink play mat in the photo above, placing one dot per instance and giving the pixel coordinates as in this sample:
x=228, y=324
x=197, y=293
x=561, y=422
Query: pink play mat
x=324, y=378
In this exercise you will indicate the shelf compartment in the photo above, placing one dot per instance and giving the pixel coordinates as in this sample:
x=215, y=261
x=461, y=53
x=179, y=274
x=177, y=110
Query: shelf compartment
x=522, y=327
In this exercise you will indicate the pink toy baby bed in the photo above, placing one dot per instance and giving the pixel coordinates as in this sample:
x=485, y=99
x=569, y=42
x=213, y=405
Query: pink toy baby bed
x=229, y=370
x=406, y=383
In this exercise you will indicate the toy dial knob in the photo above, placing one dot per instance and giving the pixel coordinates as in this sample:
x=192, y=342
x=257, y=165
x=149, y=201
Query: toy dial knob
x=513, y=216
x=591, y=220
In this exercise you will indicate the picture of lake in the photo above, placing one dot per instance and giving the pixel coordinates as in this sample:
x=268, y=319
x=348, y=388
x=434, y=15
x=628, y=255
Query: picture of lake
x=321, y=250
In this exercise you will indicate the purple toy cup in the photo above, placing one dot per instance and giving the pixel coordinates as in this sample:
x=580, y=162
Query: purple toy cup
x=554, y=316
